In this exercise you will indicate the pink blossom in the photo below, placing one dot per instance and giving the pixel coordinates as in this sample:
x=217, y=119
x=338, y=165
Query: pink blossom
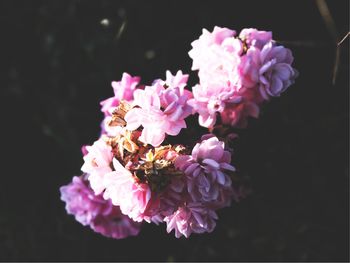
x=97, y=164
x=216, y=55
x=123, y=90
x=209, y=100
x=159, y=111
x=220, y=70
x=191, y=218
x=201, y=48
x=206, y=169
x=93, y=210
x=133, y=198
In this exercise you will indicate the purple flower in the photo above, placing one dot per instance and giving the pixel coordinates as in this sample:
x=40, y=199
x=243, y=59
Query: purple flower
x=92, y=210
x=206, y=170
x=276, y=73
x=269, y=68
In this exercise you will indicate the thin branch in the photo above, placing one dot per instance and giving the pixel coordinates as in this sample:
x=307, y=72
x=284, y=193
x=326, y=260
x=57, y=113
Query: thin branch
x=343, y=39
x=337, y=58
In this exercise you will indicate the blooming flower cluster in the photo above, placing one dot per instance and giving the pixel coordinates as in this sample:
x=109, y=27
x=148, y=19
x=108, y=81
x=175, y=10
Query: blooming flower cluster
x=237, y=73
x=134, y=172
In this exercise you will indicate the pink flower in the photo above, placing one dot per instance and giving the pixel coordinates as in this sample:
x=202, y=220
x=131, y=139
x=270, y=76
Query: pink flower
x=216, y=56
x=191, y=218
x=133, y=198
x=206, y=170
x=208, y=101
x=160, y=111
x=123, y=90
x=97, y=164
x=201, y=52
x=93, y=210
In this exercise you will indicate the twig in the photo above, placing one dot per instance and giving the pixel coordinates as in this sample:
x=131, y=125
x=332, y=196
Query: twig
x=337, y=58
x=343, y=39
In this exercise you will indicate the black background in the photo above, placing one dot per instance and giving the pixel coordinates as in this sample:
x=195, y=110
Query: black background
x=57, y=62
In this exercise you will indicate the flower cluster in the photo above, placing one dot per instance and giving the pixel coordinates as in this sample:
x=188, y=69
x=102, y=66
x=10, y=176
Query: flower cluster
x=134, y=172
x=237, y=73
